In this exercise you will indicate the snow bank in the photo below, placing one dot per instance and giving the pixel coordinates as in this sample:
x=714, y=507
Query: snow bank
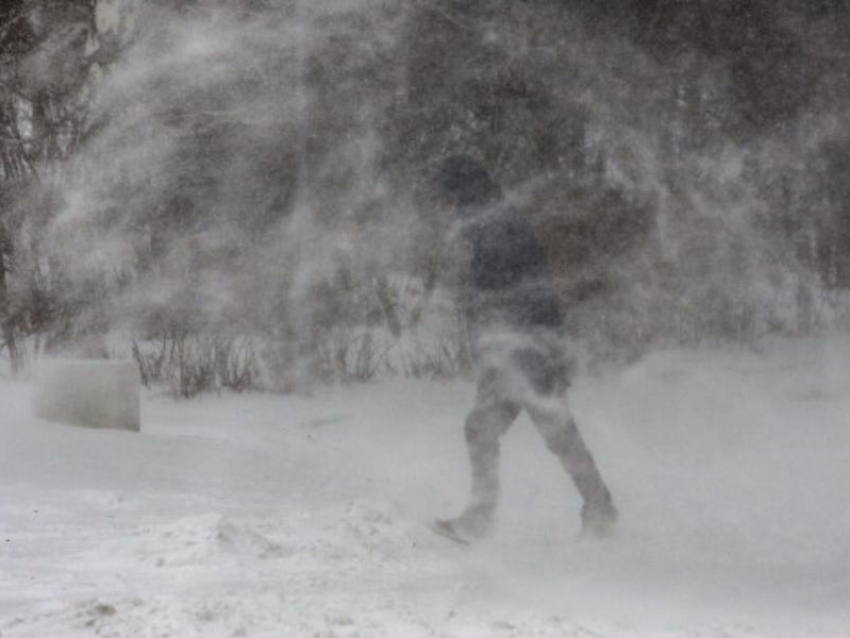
x=307, y=516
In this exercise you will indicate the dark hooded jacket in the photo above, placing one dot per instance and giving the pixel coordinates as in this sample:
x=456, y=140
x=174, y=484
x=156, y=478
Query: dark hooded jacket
x=511, y=285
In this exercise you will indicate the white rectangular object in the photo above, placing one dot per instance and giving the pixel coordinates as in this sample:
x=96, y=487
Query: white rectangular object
x=91, y=393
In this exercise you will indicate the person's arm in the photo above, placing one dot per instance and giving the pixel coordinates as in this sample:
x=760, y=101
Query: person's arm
x=443, y=267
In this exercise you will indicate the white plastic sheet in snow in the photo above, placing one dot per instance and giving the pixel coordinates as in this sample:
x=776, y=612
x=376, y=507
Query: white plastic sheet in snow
x=92, y=393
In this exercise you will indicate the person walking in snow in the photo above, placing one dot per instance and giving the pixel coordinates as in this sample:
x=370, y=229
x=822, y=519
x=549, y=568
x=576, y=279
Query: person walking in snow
x=515, y=329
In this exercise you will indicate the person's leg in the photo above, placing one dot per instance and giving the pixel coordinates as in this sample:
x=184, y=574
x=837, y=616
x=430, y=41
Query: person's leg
x=554, y=420
x=489, y=420
x=547, y=371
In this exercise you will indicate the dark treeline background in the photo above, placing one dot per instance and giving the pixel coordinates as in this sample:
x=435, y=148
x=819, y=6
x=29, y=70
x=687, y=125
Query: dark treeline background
x=237, y=192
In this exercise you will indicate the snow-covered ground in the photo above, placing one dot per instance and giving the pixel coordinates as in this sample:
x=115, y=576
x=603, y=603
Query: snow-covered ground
x=289, y=516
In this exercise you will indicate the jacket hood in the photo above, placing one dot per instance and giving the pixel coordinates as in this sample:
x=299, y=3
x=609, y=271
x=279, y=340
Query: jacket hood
x=465, y=180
